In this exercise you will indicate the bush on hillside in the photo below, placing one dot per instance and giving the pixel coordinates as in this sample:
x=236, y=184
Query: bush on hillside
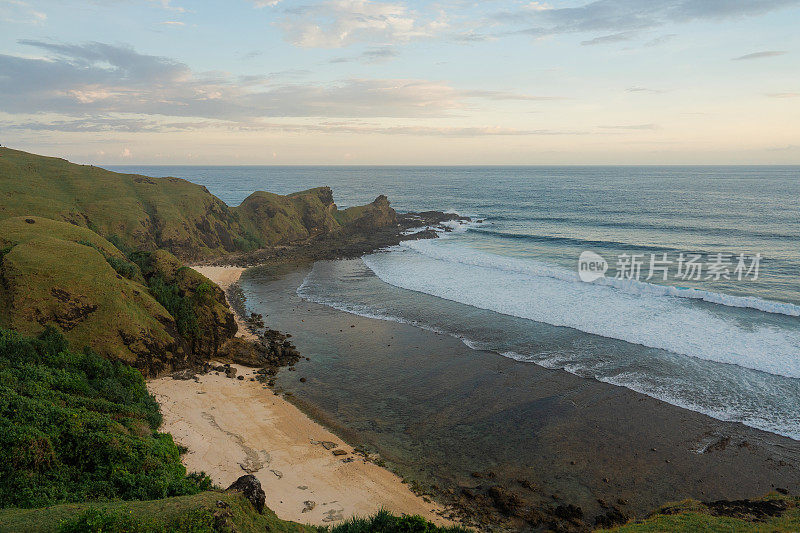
x=385, y=522
x=77, y=427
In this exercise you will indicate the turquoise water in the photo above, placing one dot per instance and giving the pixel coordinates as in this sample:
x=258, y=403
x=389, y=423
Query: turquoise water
x=729, y=348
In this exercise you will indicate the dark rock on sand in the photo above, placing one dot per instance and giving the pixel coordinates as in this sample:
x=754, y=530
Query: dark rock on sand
x=568, y=512
x=308, y=505
x=250, y=487
x=505, y=501
x=613, y=517
x=746, y=509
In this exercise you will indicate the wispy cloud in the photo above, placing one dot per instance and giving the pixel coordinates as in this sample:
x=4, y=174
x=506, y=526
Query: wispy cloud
x=614, y=17
x=784, y=95
x=94, y=81
x=658, y=41
x=338, y=23
x=760, y=55
x=128, y=125
x=632, y=127
x=643, y=90
x=610, y=39
x=376, y=54
x=19, y=12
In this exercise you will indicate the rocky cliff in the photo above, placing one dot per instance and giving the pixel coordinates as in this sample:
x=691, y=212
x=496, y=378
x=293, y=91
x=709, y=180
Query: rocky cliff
x=144, y=213
x=98, y=255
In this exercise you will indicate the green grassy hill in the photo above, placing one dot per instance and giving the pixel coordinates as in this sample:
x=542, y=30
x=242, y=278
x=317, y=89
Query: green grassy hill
x=773, y=514
x=205, y=512
x=145, y=213
x=155, y=315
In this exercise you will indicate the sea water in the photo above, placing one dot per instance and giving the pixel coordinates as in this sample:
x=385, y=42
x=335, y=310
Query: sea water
x=508, y=281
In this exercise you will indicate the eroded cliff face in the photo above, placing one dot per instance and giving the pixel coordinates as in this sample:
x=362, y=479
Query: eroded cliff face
x=157, y=318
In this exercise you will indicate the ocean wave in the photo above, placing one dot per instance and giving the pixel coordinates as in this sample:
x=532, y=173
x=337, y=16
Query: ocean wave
x=530, y=267
x=571, y=241
x=649, y=315
x=747, y=411
x=679, y=227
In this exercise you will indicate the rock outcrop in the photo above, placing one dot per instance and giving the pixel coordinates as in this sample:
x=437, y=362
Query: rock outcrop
x=250, y=487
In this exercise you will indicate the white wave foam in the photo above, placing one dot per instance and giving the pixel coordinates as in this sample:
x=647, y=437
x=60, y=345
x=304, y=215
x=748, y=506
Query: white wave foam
x=649, y=316
x=535, y=268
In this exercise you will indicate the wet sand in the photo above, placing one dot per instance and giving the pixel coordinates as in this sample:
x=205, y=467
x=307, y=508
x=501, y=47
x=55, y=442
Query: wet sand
x=441, y=412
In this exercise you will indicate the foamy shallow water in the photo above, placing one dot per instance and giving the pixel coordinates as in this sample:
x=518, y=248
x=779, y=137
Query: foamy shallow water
x=740, y=364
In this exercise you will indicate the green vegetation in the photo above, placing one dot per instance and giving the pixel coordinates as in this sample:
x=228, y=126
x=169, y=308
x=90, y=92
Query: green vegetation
x=385, y=522
x=147, y=310
x=199, y=513
x=76, y=427
x=145, y=213
x=61, y=275
x=691, y=516
x=179, y=306
x=206, y=512
x=142, y=213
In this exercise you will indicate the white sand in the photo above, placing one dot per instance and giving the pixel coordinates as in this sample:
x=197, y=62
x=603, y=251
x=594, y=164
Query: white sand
x=225, y=276
x=232, y=426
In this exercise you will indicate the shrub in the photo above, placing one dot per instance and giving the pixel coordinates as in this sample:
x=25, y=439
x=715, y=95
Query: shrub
x=76, y=427
x=179, y=306
x=385, y=522
x=123, y=267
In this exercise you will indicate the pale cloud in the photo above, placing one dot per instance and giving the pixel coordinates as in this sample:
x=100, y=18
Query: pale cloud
x=643, y=90
x=167, y=4
x=658, y=41
x=19, y=12
x=760, y=55
x=621, y=16
x=95, y=80
x=338, y=23
x=784, y=95
x=127, y=125
x=376, y=54
x=610, y=39
x=632, y=127
x=172, y=23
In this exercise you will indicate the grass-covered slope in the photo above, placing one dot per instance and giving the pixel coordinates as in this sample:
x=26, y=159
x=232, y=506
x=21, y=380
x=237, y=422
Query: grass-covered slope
x=75, y=427
x=283, y=219
x=773, y=514
x=200, y=513
x=144, y=213
x=155, y=316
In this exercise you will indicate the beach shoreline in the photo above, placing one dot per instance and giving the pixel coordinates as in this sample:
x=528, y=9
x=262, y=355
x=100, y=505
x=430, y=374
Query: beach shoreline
x=550, y=443
x=232, y=427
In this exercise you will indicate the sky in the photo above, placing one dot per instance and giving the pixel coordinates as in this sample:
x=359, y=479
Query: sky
x=374, y=82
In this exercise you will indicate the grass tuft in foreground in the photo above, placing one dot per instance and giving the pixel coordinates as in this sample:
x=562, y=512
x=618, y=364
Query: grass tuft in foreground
x=385, y=522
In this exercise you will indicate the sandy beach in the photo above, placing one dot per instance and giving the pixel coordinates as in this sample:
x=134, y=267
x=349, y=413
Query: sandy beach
x=441, y=412
x=232, y=427
x=225, y=276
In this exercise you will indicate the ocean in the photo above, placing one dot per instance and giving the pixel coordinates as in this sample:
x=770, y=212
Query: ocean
x=720, y=335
